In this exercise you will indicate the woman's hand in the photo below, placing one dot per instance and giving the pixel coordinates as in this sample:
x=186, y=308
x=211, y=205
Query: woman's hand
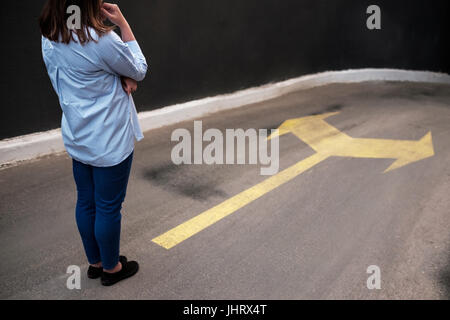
x=129, y=85
x=113, y=13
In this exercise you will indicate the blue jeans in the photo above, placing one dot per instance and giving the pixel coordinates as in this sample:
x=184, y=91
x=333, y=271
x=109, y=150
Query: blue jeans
x=101, y=191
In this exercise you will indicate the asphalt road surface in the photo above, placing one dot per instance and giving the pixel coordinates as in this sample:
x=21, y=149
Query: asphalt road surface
x=311, y=237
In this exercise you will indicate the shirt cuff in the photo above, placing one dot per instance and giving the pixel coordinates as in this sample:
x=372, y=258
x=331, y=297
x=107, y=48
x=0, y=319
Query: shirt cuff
x=134, y=47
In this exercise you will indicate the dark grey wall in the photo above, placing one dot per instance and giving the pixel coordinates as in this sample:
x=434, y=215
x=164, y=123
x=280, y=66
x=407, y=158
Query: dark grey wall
x=199, y=48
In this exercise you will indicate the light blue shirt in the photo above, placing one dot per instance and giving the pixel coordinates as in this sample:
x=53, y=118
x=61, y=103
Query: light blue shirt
x=99, y=122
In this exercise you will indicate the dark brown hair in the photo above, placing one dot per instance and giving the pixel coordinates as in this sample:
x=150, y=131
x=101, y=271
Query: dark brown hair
x=53, y=20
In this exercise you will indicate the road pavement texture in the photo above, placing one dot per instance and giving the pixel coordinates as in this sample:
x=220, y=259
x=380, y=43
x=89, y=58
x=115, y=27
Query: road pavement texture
x=313, y=236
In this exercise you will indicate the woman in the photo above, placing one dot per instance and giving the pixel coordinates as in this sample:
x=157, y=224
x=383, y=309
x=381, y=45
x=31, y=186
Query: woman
x=94, y=72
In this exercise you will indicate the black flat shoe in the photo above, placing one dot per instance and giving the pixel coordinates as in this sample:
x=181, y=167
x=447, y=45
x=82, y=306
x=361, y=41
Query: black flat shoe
x=129, y=269
x=94, y=272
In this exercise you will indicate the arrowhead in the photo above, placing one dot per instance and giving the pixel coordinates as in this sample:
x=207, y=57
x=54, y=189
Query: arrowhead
x=284, y=128
x=288, y=125
x=422, y=150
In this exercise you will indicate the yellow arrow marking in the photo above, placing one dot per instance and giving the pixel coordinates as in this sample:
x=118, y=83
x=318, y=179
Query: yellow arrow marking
x=327, y=141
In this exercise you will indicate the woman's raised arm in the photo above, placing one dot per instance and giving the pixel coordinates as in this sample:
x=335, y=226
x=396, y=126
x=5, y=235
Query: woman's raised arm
x=121, y=56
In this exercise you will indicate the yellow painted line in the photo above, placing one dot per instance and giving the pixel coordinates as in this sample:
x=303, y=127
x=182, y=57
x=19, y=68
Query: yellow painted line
x=189, y=228
x=327, y=141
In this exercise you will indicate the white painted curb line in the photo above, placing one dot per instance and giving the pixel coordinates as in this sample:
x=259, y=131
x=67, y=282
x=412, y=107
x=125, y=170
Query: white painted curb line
x=44, y=143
